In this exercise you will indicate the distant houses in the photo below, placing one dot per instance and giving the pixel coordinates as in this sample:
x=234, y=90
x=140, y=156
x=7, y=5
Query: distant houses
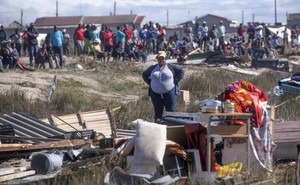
x=11, y=26
x=70, y=23
x=293, y=19
x=210, y=19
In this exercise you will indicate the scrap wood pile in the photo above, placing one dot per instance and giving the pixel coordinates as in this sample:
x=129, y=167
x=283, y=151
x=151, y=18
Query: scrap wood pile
x=48, y=147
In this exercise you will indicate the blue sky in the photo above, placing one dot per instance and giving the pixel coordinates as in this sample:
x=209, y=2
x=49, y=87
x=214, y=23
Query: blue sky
x=155, y=10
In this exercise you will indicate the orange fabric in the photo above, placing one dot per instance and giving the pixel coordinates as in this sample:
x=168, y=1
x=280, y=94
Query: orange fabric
x=246, y=97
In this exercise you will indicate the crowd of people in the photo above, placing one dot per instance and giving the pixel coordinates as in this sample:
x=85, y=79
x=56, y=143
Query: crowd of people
x=133, y=43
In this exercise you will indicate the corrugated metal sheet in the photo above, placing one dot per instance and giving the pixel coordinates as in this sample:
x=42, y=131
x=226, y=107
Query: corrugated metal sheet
x=287, y=131
x=28, y=126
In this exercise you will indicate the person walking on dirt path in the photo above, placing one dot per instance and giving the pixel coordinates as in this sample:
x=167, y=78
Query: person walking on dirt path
x=32, y=42
x=163, y=80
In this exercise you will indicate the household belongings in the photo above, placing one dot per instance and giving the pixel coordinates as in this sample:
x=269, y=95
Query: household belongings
x=229, y=170
x=228, y=107
x=212, y=106
x=290, y=84
x=249, y=99
x=146, y=151
x=215, y=106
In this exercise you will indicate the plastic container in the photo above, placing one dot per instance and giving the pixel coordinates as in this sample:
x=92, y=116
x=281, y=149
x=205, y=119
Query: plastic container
x=44, y=163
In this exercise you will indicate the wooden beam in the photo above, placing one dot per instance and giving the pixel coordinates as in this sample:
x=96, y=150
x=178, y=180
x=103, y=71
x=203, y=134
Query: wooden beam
x=112, y=122
x=53, y=120
x=17, y=175
x=48, y=145
x=7, y=171
x=28, y=138
x=82, y=122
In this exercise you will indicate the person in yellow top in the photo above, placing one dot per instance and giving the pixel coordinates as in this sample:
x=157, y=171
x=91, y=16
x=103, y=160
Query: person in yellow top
x=172, y=50
x=98, y=54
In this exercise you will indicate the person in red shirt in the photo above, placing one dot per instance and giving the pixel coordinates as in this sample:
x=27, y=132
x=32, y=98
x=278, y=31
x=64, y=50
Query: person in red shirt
x=293, y=36
x=161, y=38
x=25, y=43
x=128, y=36
x=108, y=41
x=241, y=32
x=79, y=39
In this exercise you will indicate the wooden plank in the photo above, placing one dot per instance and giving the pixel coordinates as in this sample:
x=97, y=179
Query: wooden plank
x=71, y=128
x=6, y=171
x=113, y=122
x=90, y=118
x=94, y=113
x=80, y=118
x=53, y=120
x=16, y=176
x=48, y=145
x=14, y=145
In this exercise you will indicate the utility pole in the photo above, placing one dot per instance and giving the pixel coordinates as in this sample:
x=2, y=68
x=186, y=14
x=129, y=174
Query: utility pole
x=22, y=17
x=243, y=17
x=80, y=7
x=56, y=8
x=253, y=18
x=275, y=3
x=130, y=12
x=115, y=8
x=167, y=17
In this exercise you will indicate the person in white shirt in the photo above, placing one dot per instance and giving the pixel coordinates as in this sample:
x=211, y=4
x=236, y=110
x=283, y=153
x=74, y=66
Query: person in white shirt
x=221, y=33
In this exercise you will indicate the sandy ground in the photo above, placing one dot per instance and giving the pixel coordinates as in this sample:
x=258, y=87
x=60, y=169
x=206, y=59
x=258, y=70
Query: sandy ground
x=37, y=83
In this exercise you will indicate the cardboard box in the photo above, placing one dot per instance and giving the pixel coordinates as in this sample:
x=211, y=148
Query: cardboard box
x=229, y=129
x=184, y=97
x=177, y=134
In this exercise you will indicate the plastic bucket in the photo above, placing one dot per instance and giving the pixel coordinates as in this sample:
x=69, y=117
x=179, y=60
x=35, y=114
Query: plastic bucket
x=44, y=163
